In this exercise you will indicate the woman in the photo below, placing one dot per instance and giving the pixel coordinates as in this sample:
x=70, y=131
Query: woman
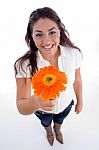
x=49, y=44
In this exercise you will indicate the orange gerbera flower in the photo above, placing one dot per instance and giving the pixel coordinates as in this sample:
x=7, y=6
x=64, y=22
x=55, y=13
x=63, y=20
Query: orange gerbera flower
x=48, y=82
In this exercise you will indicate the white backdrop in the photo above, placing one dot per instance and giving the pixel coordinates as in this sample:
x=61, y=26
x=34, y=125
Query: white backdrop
x=81, y=19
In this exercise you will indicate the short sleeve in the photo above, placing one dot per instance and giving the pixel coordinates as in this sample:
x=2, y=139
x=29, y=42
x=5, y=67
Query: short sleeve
x=78, y=59
x=24, y=71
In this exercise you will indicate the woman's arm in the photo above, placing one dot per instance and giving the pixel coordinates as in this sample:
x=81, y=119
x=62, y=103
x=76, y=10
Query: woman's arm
x=26, y=103
x=78, y=91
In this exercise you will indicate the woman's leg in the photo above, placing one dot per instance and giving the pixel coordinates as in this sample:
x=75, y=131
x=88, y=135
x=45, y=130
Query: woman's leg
x=58, y=120
x=46, y=120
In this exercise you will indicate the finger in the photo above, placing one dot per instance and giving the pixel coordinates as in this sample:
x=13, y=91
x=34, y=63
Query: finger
x=48, y=108
x=49, y=103
x=77, y=111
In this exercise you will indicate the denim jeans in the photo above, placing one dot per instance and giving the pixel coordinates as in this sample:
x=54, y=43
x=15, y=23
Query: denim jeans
x=47, y=118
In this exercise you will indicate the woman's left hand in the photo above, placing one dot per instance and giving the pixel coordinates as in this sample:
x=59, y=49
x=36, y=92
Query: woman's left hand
x=78, y=107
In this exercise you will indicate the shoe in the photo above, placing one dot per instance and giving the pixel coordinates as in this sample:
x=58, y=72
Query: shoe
x=50, y=136
x=58, y=133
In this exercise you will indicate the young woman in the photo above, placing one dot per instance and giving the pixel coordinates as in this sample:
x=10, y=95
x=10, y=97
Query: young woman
x=49, y=45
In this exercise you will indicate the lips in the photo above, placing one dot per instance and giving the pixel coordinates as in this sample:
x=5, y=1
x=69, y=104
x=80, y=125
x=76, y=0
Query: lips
x=48, y=47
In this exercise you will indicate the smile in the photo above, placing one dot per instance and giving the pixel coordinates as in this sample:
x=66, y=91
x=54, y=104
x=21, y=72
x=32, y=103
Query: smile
x=48, y=47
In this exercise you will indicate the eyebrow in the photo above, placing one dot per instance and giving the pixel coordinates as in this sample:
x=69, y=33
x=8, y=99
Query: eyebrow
x=51, y=29
x=42, y=31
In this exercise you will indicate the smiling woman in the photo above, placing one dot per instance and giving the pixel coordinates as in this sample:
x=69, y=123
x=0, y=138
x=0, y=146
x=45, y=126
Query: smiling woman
x=49, y=46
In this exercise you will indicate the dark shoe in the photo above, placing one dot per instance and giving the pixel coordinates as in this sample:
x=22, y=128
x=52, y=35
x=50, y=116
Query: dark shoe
x=58, y=133
x=50, y=135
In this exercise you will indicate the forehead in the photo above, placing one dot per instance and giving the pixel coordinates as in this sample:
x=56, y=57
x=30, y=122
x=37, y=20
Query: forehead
x=45, y=23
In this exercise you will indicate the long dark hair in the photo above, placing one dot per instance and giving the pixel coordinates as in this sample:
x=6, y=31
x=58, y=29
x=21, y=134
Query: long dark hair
x=44, y=12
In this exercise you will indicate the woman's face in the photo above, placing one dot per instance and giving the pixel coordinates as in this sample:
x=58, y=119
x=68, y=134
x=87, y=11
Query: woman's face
x=46, y=36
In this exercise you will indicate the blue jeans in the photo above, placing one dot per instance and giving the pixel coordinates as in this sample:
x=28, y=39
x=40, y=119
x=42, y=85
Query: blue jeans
x=46, y=118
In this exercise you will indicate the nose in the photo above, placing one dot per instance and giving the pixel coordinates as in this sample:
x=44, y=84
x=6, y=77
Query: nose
x=46, y=40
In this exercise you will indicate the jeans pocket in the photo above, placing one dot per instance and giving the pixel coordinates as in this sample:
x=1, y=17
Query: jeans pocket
x=67, y=110
x=39, y=115
x=71, y=104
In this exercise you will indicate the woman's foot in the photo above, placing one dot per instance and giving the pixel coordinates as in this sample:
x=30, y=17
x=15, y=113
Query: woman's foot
x=50, y=136
x=58, y=133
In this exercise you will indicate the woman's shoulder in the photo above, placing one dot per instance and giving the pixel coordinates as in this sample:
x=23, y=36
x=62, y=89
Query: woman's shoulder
x=68, y=51
x=22, y=68
x=22, y=64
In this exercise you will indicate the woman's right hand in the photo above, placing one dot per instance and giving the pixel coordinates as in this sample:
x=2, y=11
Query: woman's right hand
x=47, y=105
x=28, y=104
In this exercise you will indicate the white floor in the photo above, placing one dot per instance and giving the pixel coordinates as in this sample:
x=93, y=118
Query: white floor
x=81, y=132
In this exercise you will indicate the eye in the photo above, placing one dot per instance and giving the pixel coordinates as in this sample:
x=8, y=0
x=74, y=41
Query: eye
x=39, y=35
x=52, y=33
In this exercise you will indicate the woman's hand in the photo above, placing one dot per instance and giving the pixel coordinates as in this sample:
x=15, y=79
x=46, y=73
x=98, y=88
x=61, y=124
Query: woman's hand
x=47, y=105
x=78, y=107
x=28, y=104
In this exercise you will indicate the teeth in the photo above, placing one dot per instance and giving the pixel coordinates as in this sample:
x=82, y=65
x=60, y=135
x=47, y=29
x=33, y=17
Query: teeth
x=47, y=47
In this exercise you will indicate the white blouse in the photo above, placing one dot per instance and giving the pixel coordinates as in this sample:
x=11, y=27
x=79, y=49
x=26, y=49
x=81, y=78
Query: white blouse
x=69, y=60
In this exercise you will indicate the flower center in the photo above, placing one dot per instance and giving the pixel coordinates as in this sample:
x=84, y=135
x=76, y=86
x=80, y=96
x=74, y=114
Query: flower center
x=49, y=79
